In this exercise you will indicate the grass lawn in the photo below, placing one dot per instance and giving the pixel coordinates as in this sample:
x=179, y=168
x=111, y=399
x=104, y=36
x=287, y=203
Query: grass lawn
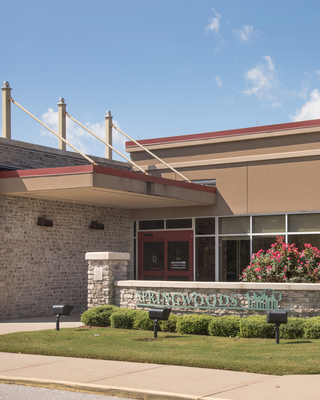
x=237, y=354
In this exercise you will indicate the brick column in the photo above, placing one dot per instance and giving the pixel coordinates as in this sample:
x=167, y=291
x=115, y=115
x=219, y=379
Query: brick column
x=105, y=268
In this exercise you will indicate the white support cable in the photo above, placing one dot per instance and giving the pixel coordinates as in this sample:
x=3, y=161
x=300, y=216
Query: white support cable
x=58, y=136
x=153, y=155
x=103, y=141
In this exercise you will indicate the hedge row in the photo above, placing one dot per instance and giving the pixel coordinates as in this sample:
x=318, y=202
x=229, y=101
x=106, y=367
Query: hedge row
x=231, y=326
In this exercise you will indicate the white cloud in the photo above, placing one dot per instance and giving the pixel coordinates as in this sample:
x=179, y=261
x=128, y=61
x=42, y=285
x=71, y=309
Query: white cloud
x=262, y=81
x=76, y=135
x=213, y=26
x=269, y=62
x=310, y=110
x=245, y=34
x=219, y=81
x=216, y=14
x=214, y=23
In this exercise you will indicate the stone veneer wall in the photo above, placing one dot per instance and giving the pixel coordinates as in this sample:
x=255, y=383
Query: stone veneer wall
x=104, y=268
x=43, y=266
x=301, y=300
x=31, y=156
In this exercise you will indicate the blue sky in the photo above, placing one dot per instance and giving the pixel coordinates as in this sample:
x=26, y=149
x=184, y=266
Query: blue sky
x=170, y=67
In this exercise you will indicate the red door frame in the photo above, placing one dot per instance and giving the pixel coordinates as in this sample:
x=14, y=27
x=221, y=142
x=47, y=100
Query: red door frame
x=165, y=236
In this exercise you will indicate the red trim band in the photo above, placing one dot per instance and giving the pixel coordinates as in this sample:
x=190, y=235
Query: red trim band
x=232, y=132
x=106, y=171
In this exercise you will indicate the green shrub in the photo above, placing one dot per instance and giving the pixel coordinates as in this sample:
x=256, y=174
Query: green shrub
x=294, y=329
x=142, y=321
x=170, y=325
x=227, y=325
x=312, y=328
x=123, y=318
x=256, y=326
x=98, y=316
x=193, y=324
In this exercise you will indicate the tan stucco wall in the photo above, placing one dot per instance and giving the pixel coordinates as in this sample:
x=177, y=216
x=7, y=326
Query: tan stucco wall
x=263, y=174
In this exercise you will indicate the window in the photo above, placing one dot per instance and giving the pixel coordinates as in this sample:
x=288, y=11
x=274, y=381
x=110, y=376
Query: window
x=205, y=249
x=234, y=225
x=151, y=225
x=179, y=223
x=304, y=223
x=268, y=223
x=205, y=259
x=206, y=182
x=205, y=226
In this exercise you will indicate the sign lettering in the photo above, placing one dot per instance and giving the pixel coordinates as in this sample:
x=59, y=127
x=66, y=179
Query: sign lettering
x=253, y=300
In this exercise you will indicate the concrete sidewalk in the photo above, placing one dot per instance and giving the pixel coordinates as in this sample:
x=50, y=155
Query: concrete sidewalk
x=147, y=381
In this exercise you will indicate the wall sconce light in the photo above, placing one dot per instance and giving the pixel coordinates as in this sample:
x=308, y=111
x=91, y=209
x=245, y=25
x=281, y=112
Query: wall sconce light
x=96, y=225
x=44, y=222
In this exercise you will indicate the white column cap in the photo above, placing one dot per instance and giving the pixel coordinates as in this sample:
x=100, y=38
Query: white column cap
x=107, y=255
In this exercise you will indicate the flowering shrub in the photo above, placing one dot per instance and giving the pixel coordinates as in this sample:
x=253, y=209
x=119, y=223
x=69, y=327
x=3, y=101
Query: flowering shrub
x=284, y=263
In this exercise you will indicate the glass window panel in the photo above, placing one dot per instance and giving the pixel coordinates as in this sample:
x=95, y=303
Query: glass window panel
x=304, y=223
x=179, y=223
x=262, y=242
x=205, y=259
x=234, y=225
x=300, y=240
x=178, y=256
x=153, y=256
x=234, y=257
x=151, y=225
x=178, y=278
x=205, y=226
x=268, y=223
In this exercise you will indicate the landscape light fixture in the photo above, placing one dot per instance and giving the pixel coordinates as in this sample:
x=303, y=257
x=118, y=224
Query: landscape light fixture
x=44, y=222
x=158, y=314
x=61, y=310
x=277, y=317
x=97, y=225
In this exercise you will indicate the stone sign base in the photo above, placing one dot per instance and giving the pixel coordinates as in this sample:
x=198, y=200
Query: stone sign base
x=220, y=298
x=107, y=284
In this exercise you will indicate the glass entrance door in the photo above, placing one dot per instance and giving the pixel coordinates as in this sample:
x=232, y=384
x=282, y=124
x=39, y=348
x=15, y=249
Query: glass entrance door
x=234, y=257
x=165, y=256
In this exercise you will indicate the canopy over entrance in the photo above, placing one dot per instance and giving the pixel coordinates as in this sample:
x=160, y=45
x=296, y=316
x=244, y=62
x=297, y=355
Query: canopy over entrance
x=92, y=184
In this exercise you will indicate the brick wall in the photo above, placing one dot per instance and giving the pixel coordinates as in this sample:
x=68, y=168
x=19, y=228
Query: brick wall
x=31, y=156
x=42, y=266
